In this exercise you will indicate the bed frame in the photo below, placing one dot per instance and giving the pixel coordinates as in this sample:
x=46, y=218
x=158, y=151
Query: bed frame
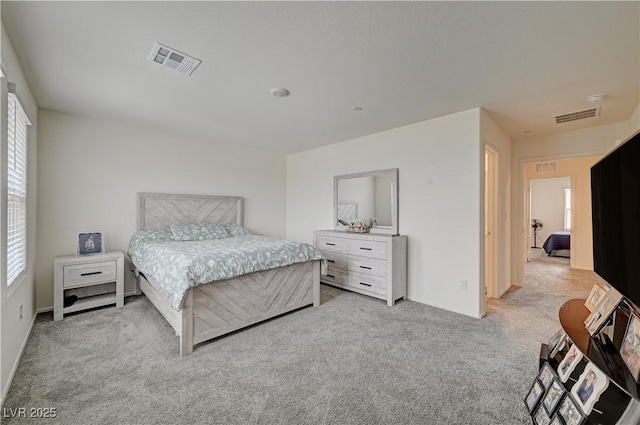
x=223, y=306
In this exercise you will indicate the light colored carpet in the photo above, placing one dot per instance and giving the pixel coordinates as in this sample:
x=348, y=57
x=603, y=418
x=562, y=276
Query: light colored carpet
x=353, y=360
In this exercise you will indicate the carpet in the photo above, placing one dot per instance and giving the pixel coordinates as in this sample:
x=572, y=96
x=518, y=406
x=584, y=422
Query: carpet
x=353, y=360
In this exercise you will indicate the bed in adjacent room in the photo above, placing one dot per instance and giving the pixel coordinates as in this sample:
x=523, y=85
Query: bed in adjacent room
x=208, y=275
x=558, y=244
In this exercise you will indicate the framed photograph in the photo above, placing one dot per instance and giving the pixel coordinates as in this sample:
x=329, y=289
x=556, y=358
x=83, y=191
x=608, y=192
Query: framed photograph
x=556, y=420
x=568, y=364
x=630, y=348
x=559, y=346
x=534, y=395
x=89, y=243
x=546, y=376
x=590, y=385
x=540, y=416
x=596, y=294
x=570, y=412
x=553, y=396
x=598, y=317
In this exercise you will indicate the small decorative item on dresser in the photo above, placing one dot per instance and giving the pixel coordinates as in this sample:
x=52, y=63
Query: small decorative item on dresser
x=90, y=243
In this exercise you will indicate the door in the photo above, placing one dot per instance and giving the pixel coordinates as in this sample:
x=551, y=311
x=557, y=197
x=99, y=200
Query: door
x=490, y=222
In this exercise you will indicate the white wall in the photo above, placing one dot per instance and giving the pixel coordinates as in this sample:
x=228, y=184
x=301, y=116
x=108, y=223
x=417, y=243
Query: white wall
x=495, y=139
x=593, y=141
x=15, y=331
x=547, y=205
x=90, y=171
x=439, y=164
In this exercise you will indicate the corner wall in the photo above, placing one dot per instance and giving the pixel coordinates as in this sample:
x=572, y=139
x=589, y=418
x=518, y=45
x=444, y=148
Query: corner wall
x=91, y=169
x=14, y=331
x=439, y=164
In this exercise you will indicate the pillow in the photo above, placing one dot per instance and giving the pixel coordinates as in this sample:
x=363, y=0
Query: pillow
x=238, y=231
x=198, y=231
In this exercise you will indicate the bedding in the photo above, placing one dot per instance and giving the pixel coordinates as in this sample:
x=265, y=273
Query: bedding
x=178, y=265
x=557, y=241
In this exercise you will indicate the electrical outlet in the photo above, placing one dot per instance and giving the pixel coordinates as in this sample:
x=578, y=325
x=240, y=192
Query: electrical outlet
x=463, y=285
x=20, y=311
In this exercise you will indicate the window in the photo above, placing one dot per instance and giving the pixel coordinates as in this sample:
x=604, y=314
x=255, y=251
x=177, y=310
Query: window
x=567, y=209
x=17, y=123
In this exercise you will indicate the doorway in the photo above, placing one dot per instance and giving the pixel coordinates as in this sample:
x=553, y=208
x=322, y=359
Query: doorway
x=490, y=222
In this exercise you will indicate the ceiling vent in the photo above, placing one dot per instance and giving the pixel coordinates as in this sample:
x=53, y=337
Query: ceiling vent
x=166, y=56
x=546, y=167
x=578, y=115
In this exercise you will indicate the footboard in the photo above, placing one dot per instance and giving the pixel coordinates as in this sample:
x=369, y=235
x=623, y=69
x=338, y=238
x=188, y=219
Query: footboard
x=224, y=306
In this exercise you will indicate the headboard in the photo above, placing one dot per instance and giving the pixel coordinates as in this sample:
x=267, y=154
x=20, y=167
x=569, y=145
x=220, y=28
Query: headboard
x=158, y=210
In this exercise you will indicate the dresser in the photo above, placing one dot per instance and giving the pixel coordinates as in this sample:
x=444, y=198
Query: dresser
x=367, y=263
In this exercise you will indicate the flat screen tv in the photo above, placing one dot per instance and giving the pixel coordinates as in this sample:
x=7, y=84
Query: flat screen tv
x=615, y=201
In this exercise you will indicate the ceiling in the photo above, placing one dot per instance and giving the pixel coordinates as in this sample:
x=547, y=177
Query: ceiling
x=402, y=62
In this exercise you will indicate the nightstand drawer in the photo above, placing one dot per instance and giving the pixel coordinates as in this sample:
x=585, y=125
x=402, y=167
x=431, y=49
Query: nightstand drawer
x=87, y=274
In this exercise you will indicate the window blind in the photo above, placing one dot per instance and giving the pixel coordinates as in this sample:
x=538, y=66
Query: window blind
x=17, y=123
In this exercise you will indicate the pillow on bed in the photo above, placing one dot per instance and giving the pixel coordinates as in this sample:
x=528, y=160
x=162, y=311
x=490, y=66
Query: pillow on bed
x=198, y=231
x=238, y=231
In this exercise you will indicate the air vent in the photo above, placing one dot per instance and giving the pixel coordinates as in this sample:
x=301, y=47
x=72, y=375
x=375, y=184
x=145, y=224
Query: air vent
x=578, y=115
x=166, y=56
x=546, y=167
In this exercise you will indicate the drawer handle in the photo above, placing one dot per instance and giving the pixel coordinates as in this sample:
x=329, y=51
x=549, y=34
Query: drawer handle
x=365, y=267
x=330, y=275
x=365, y=284
x=330, y=244
x=330, y=261
x=365, y=249
x=89, y=274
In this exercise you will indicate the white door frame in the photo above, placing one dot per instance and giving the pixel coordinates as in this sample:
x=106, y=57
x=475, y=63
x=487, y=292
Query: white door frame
x=492, y=230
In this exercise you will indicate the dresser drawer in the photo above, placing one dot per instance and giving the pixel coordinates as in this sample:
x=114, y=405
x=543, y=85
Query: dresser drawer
x=335, y=260
x=332, y=244
x=86, y=274
x=370, y=266
x=335, y=276
x=370, y=249
x=369, y=283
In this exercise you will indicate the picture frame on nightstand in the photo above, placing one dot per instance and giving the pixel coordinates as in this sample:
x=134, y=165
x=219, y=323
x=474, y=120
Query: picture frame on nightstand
x=90, y=243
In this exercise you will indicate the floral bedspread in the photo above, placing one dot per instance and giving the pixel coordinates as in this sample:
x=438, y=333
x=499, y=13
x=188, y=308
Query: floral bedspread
x=177, y=266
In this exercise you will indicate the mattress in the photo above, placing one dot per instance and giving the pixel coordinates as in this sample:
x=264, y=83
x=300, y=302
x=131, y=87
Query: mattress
x=557, y=241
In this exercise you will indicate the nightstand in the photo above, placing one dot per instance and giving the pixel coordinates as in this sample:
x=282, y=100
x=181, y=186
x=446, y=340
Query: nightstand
x=73, y=272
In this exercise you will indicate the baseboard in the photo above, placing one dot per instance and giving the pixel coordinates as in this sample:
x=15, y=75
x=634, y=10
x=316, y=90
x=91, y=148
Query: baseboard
x=475, y=316
x=15, y=366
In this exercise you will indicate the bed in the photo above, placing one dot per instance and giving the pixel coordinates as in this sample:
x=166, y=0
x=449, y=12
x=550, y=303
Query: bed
x=558, y=244
x=219, y=307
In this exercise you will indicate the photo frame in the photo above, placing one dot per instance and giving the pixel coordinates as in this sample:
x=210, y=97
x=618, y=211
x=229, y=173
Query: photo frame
x=553, y=396
x=598, y=317
x=569, y=362
x=90, y=243
x=540, y=416
x=596, y=294
x=630, y=347
x=556, y=420
x=570, y=412
x=559, y=345
x=591, y=384
x=534, y=395
x=546, y=375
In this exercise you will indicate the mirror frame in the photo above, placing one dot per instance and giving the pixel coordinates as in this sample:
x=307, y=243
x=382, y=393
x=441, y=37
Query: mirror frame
x=391, y=230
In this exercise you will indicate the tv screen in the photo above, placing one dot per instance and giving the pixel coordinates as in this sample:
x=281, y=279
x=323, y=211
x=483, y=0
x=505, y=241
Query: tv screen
x=615, y=200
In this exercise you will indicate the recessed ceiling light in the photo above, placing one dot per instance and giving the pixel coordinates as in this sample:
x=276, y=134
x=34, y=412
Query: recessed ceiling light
x=596, y=98
x=358, y=108
x=280, y=92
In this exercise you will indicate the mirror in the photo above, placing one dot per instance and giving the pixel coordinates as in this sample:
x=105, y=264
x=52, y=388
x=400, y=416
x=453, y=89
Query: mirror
x=370, y=195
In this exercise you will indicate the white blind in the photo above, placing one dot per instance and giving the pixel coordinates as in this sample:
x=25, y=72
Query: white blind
x=17, y=123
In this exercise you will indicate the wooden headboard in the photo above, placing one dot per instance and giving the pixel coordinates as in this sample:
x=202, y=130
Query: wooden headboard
x=159, y=210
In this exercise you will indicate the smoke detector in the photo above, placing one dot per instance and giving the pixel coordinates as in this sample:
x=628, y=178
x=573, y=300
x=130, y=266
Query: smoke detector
x=171, y=58
x=280, y=92
x=596, y=98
